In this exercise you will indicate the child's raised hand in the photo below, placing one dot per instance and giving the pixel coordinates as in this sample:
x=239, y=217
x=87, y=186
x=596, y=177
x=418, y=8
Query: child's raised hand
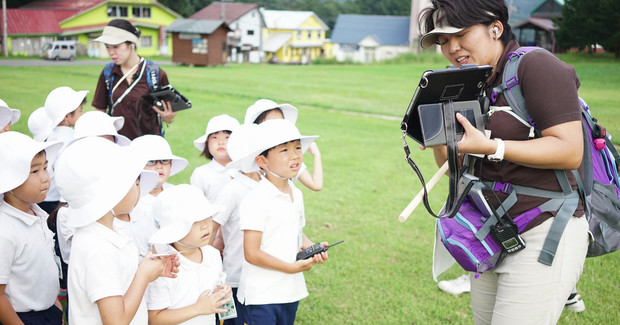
x=314, y=149
x=153, y=268
x=210, y=303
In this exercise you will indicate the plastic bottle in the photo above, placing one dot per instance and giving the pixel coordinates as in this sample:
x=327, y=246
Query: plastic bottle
x=230, y=305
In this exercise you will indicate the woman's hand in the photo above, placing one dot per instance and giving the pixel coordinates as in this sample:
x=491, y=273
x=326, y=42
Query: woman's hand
x=167, y=114
x=474, y=141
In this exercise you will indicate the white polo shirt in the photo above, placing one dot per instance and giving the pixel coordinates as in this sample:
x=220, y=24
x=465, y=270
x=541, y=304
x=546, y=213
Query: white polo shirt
x=191, y=281
x=211, y=178
x=103, y=264
x=268, y=210
x=27, y=264
x=64, y=134
x=64, y=233
x=231, y=197
x=139, y=228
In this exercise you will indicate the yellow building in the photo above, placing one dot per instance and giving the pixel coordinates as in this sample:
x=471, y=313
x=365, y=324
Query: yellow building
x=294, y=37
x=39, y=22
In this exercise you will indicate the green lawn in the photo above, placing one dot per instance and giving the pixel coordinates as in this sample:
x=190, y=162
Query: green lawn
x=381, y=274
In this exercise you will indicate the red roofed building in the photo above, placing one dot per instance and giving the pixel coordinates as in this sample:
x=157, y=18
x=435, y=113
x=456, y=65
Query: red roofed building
x=246, y=23
x=43, y=21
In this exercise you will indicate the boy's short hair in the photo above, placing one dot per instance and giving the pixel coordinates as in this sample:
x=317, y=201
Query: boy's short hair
x=62, y=101
x=16, y=153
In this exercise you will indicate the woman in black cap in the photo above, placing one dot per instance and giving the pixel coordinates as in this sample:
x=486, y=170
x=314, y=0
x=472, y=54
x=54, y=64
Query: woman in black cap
x=124, y=81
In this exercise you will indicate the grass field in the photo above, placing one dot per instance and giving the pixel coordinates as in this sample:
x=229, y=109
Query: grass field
x=381, y=274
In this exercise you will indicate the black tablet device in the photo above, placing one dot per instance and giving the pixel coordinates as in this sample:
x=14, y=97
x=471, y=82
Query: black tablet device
x=463, y=87
x=168, y=93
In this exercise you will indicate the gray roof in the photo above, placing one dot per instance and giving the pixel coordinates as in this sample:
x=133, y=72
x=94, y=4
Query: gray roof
x=194, y=26
x=387, y=30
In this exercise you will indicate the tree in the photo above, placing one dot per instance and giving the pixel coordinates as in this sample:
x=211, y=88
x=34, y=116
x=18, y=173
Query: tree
x=586, y=23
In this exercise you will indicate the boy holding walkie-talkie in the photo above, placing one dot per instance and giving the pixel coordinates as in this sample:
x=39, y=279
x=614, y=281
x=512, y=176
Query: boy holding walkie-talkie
x=272, y=219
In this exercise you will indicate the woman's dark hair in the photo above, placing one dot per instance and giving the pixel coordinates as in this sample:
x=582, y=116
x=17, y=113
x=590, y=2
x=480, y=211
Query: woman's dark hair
x=466, y=13
x=205, y=153
x=261, y=118
x=126, y=25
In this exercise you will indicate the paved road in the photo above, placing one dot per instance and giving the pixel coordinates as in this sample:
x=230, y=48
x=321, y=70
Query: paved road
x=21, y=63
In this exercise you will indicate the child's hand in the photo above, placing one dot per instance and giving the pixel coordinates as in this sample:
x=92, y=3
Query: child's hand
x=153, y=268
x=302, y=265
x=322, y=257
x=210, y=303
x=314, y=149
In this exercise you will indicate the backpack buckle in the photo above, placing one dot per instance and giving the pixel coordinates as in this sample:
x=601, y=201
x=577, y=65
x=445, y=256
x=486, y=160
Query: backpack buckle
x=511, y=82
x=502, y=187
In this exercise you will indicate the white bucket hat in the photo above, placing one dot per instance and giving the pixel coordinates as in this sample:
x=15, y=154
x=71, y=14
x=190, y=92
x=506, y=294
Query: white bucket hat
x=94, y=175
x=16, y=153
x=241, y=144
x=430, y=38
x=96, y=123
x=8, y=115
x=155, y=147
x=217, y=123
x=275, y=132
x=262, y=105
x=40, y=124
x=176, y=209
x=62, y=101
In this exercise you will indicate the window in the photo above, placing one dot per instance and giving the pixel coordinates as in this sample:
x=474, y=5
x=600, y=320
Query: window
x=299, y=35
x=117, y=11
x=199, y=46
x=309, y=34
x=320, y=34
x=146, y=41
x=142, y=12
x=250, y=32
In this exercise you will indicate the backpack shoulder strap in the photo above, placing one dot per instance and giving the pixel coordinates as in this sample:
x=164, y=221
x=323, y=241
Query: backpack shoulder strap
x=152, y=75
x=109, y=81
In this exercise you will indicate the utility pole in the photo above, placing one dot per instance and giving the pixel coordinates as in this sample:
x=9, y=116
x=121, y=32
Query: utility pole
x=5, y=45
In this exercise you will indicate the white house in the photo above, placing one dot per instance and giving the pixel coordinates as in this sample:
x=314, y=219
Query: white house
x=244, y=42
x=367, y=38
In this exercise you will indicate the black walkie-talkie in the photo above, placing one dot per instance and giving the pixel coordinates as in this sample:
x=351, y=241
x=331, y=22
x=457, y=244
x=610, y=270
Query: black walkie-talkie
x=313, y=250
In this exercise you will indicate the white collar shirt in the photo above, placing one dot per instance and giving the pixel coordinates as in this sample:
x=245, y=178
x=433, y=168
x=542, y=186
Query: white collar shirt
x=65, y=135
x=231, y=197
x=27, y=259
x=192, y=280
x=281, y=221
x=211, y=178
x=103, y=264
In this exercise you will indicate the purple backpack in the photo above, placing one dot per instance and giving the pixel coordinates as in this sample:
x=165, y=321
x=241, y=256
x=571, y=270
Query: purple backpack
x=601, y=161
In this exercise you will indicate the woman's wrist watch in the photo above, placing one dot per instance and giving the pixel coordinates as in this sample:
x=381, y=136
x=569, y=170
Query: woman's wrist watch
x=499, y=153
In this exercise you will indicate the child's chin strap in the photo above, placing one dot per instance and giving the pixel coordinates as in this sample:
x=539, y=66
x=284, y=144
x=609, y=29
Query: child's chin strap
x=185, y=245
x=276, y=175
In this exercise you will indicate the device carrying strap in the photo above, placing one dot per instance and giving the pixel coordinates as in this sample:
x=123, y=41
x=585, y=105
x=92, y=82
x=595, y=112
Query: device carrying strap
x=454, y=200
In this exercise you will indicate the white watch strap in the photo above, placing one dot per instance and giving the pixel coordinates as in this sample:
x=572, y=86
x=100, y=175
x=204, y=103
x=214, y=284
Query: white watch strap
x=499, y=153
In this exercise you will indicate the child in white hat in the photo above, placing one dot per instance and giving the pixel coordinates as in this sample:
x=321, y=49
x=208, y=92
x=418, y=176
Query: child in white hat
x=265, y=109
x=161, y=161
x=8, y=116
x=28, y=271
x=185, y=227
x=272, y=219
x=211, y=177
x=40, y=124
x=245, y=178
x=100, y=124
x=64, y=106
x=99, y=180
